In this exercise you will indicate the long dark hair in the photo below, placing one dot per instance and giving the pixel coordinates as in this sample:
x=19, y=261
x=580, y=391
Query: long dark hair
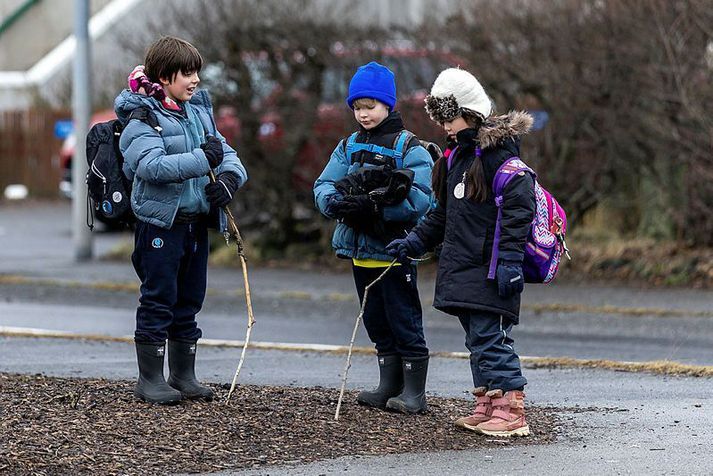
x=476, y=188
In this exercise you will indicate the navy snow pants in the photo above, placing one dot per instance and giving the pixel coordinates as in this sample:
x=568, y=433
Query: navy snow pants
x=172, y=266
x=393, y=316
x=493, y=361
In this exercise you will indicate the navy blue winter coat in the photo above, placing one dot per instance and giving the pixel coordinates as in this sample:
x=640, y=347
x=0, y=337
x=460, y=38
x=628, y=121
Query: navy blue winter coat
x=467, y=228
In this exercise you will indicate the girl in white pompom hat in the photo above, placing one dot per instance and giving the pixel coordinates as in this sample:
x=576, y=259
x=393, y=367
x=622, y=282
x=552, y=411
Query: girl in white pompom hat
x=464, y=222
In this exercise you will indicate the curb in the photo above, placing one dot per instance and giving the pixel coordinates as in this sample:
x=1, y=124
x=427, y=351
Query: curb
x=127, y=286
x=661, y=367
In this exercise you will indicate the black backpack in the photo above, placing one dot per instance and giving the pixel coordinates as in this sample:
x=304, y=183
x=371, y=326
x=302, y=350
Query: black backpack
x=109, y=191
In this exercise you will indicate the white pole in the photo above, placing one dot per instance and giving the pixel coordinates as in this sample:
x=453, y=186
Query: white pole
x=81, y=100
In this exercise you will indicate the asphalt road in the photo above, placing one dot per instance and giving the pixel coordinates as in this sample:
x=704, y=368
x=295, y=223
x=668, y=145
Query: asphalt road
x=324, y=321
x=320, y=307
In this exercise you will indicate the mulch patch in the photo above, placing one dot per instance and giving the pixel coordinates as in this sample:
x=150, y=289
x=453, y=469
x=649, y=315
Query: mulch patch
x=68, y=426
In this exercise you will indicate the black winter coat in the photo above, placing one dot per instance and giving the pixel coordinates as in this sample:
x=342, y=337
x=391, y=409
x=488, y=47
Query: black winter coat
x=467, y=228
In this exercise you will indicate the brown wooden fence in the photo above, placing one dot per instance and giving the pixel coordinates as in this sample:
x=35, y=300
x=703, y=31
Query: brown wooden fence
x=29, y=151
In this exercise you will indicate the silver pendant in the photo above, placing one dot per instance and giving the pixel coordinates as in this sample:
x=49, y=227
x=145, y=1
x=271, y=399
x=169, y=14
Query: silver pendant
x=459, y=191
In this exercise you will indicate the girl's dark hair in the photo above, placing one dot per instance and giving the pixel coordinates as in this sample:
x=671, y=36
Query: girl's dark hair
x=475, y=186
x=169, y=55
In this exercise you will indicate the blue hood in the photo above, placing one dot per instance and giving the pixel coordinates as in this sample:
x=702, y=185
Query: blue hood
x=127, y=101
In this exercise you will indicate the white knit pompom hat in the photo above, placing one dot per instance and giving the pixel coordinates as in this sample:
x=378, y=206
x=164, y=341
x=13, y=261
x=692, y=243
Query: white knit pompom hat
x=456, y=89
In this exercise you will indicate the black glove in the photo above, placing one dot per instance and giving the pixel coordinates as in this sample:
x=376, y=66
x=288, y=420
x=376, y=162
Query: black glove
x=221, y=192
x=358, y=205
x=333, y=208
x=213, y=149
x=510, y=278
x=403, y=248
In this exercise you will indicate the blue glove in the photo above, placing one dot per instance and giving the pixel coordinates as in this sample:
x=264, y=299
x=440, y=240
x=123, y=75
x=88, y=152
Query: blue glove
x=402, y=248
x=511, y=281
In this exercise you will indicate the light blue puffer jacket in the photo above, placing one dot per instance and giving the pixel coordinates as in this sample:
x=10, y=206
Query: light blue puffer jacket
x=169, y=169
x=348, y=243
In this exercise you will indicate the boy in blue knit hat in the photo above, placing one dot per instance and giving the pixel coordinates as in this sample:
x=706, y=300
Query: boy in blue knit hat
x=377, y=185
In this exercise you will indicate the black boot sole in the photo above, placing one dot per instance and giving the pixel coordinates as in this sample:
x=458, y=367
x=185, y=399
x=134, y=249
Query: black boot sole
x=398, y=407
x=198, y=398
x=191, y=396
x=364, y=399
x=141, y=398
x=371, y=404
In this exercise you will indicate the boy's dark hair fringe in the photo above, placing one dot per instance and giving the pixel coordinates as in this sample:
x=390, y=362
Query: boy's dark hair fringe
x=168, y=55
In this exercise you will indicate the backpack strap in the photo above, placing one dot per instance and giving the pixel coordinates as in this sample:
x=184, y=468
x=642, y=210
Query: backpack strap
x=397, y=153
x=403, y=138
x=349, y=145
x=147, y=116
x=505, y=173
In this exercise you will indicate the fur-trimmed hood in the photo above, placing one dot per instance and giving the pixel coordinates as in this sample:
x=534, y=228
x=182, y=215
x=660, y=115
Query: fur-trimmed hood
x=495, y=129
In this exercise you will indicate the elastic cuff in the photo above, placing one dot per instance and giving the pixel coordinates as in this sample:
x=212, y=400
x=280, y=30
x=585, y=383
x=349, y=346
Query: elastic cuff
x=226, y=189
x=233, y=181
x=417, y=238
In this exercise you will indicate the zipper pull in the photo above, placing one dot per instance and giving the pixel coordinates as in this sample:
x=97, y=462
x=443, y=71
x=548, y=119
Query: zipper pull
x=560, y=238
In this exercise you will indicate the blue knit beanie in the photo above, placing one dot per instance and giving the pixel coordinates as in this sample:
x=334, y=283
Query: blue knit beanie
x=373, y=81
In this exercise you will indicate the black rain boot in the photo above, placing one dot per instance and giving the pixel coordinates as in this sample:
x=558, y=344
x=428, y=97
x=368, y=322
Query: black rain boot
x=152, y=387
x=182, y=363
x=413, y=398
x=391, y=383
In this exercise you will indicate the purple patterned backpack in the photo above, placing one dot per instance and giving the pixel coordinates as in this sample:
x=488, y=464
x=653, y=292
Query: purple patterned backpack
x=545, y=243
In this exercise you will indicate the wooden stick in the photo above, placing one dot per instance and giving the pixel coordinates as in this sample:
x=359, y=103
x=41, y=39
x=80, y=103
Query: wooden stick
x=235, y=232
x=351, y=343
x=251, y=322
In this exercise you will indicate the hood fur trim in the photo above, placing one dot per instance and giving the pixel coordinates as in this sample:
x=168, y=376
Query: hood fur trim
x=498, y=128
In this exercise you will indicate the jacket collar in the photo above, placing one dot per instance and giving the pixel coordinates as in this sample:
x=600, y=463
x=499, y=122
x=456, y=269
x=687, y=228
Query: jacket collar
x=392, y=123
x=495, y=130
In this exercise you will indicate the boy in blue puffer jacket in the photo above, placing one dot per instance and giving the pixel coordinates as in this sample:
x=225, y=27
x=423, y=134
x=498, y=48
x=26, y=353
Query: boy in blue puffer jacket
x=172, y=198
x=377, y=185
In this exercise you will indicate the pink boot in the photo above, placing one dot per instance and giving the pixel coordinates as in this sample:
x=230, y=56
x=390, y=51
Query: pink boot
x=483, y=410
x=508, y=418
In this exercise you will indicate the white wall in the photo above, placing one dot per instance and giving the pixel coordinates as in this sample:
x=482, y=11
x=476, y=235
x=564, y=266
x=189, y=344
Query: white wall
x=39, y=30
x=112, y=58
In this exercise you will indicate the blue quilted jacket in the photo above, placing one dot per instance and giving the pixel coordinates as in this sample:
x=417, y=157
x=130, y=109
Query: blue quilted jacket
x=169, y=170
x=346, y=241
